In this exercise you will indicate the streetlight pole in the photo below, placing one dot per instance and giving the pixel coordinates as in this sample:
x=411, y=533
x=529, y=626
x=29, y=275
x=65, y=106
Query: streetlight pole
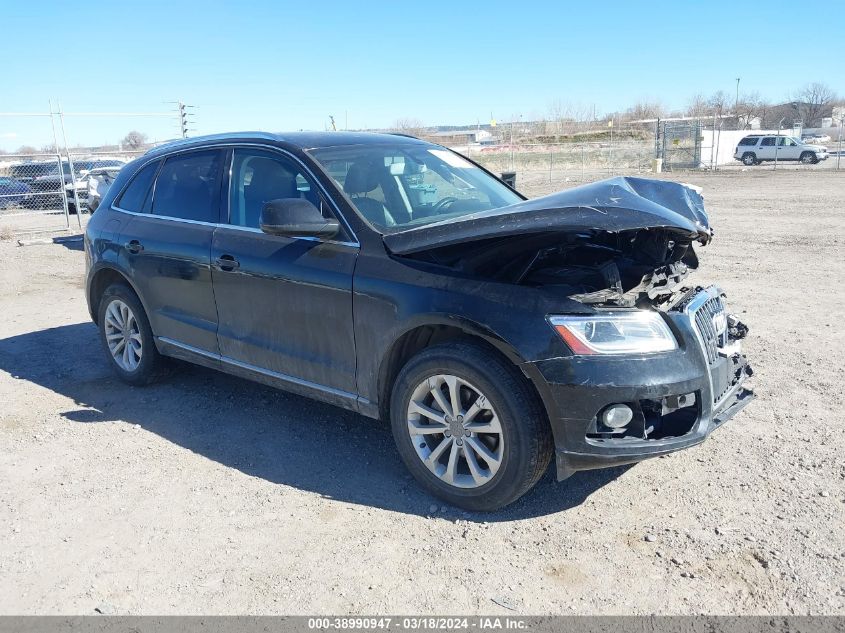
x=736, y=105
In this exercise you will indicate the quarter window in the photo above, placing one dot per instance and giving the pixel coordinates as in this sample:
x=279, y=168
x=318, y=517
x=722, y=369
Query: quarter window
x=136, y=197
x=188, y=186
x=748, y=140
x=260, y=176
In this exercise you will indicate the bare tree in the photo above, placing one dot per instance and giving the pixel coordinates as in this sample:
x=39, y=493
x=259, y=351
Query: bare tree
x=569, y=118
x=698, y=106
x=556, y=115
x=749, y=107
x=27, y=151
x=718, y=103
x=644, y=110
x=411, y=126
x=813, y=102
x=134, y=140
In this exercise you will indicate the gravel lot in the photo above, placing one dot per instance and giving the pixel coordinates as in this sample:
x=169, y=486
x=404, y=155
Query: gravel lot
x=210, y=494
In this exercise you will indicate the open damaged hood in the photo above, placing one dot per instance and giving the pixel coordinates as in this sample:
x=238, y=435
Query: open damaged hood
x=613, y=205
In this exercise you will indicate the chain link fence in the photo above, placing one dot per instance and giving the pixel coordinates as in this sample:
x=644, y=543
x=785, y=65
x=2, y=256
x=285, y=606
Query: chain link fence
x=602, y=151
x=581, y=157
x=45, y=183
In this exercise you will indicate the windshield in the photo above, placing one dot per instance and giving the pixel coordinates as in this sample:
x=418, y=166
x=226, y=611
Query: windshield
x=395, y=187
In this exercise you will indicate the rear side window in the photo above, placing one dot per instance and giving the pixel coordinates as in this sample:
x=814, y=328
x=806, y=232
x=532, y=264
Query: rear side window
x=769, y=141
x=188, y=186
x=749, y=140
x=136, y=197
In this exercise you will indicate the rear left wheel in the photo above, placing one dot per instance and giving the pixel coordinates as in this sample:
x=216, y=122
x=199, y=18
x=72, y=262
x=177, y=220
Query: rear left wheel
x=468, y=426
x=127, y=337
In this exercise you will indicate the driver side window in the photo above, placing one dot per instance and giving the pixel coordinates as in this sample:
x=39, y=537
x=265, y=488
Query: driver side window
x=259, y=176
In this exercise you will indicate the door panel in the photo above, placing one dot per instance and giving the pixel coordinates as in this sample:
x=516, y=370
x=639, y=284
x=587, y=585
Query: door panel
x=173, y=274
x=168, y=246
x=788, y=149
x=766, y=149
x=285, y=305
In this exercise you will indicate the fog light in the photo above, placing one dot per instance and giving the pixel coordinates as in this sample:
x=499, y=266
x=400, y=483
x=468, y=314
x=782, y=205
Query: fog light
x=617, y=415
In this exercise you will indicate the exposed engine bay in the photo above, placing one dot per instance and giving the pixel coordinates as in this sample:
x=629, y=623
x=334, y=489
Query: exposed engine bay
x=621, y=242
x=622, y=269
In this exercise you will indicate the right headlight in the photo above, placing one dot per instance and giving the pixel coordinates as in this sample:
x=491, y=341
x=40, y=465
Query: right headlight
x=628, y=332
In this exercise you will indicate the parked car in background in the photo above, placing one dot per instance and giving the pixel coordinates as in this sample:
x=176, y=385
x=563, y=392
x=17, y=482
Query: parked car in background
x=756, y=148
x=400, y=280
x=12, y=192
x=815, y=139
x=47, y=190
x=98, y=180
x=28, y=171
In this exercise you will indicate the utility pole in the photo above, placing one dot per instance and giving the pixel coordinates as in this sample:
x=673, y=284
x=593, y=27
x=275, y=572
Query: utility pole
x=736, y=103
x=183, y=119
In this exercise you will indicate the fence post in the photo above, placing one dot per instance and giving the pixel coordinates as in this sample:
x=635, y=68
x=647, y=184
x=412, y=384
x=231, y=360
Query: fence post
x=61, y=167
x=551, y=162
x=72, y=171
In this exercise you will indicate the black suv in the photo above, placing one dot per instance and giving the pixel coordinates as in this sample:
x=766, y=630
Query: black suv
x=398, y=279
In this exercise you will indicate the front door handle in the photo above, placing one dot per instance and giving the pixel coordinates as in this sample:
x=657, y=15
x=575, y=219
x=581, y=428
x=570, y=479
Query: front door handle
x=227, y=263
x=134, y=246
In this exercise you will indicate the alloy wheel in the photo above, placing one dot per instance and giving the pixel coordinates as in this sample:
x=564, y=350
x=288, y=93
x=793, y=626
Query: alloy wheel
x=455, y=431
x=123, y=335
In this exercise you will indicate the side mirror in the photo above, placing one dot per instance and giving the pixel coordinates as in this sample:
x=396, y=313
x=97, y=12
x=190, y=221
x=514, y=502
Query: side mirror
x=295, y=217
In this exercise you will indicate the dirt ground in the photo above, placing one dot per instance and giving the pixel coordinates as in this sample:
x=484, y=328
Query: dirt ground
x=209, y=494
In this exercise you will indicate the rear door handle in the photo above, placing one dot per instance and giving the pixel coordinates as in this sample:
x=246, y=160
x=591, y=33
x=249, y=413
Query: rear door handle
x=227, y=263
x=134, y=246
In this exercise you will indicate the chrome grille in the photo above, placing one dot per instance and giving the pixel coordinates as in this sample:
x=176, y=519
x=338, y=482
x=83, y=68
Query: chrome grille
x=712, y=335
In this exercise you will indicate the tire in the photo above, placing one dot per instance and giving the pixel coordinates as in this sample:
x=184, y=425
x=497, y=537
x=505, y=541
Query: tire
x=749, y=159
x=808, y=158
x=140, y=363
x=522, y=445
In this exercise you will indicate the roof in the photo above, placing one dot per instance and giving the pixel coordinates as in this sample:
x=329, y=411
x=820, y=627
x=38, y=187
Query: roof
x=303, y=140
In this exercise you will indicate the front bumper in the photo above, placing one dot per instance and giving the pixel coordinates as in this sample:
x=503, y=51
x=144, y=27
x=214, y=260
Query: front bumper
x=578, y=388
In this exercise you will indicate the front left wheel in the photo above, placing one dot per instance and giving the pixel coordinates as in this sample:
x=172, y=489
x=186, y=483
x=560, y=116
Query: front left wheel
x=469, y=427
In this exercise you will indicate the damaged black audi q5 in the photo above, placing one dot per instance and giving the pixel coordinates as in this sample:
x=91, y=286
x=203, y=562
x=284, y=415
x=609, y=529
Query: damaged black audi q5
x=398, y=279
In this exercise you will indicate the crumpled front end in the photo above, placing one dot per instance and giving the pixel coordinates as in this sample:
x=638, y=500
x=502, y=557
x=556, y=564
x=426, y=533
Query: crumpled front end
x=676, y=398
x=616, y=254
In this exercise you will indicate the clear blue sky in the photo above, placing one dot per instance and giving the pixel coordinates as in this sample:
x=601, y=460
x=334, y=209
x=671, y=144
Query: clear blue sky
x=260, y=64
